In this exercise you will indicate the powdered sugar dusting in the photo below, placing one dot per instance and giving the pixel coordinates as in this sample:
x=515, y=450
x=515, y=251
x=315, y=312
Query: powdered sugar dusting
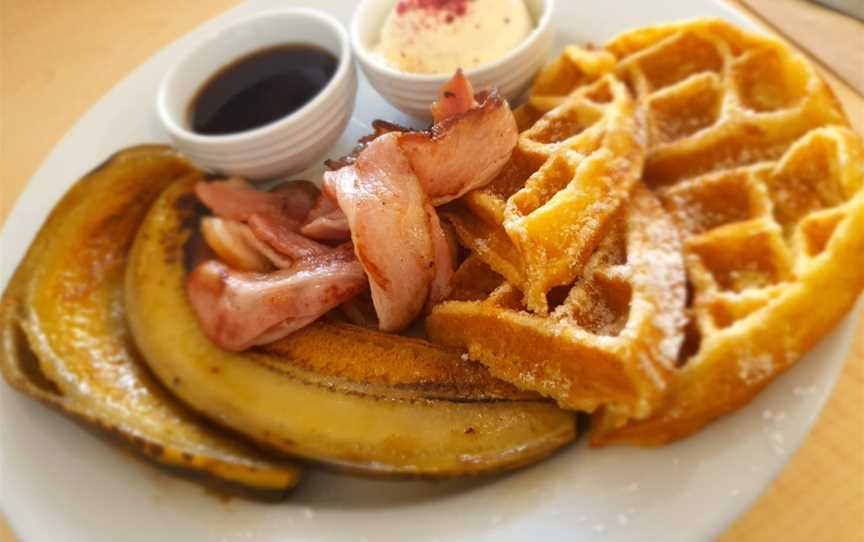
x=772, y=423
x=804, y=391
x=755, y=369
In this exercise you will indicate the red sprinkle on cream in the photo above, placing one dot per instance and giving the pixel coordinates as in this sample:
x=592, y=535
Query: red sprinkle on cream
x=452, y=8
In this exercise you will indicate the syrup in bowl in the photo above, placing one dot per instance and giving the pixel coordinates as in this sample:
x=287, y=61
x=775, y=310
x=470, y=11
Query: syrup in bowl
x=260, y=88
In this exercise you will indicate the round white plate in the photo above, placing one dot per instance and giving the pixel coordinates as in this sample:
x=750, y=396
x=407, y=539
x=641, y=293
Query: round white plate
x=59, y=483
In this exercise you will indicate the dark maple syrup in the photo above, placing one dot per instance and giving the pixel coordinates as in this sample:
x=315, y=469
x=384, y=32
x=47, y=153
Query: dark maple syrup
x=260, y=88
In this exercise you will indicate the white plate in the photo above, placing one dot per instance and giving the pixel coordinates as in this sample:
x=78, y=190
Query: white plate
x=59, y=483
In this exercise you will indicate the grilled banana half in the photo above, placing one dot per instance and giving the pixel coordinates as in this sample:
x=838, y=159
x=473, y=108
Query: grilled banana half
x=65, y=340
x=335, y=394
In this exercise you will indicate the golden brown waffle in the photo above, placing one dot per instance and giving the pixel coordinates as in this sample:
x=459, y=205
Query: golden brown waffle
x=540, y=220
x=611, y=338
x=774, y=257
x=718, y=97
x=750, y=153
x=574, y=68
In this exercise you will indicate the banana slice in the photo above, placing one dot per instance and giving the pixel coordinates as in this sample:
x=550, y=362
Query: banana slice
x=339, y=395
x=65, y=340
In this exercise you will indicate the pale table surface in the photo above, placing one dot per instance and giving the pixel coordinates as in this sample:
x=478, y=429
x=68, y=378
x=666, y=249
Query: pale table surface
x=60, y=56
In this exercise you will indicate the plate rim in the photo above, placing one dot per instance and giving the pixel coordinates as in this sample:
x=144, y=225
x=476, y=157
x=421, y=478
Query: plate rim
x=26, y=198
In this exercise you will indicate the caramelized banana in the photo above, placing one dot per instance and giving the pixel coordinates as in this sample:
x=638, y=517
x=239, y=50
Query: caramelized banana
x=343, y=396
x=65, y=340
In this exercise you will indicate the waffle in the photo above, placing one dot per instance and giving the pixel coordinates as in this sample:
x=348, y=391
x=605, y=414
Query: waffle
x=751, y=155
x=612, y=336
x=717, y=97
x=574, y=68
x=771, y=273
x=749, y=151
x=575, y=165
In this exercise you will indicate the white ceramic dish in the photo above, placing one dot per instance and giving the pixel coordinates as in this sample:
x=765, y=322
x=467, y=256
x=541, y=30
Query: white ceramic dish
x=412, y=93
x=282, y=147
x=60, y=484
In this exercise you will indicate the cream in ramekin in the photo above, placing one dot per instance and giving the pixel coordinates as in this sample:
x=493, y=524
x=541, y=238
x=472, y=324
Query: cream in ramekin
x=412, y=92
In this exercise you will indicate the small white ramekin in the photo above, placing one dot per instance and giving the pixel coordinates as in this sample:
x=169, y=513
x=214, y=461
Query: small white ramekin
x=287, y=145
x=414, y=93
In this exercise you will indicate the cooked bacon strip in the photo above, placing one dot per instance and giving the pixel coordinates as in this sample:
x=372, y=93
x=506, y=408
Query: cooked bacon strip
x=303, y=193
x=326, y=221
x=445, y=262
x=379, y=128
x=285, y=328
x=466, y=147
x=360, y=311
x=273, y=219
x=260, y=245
x=236, y=199
x=385, y=207
x=382, y=195
x=282, y=236
x=239, y=309
x=455, y=97
x=279, y=260
x=462, y=152
x=230, y=241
